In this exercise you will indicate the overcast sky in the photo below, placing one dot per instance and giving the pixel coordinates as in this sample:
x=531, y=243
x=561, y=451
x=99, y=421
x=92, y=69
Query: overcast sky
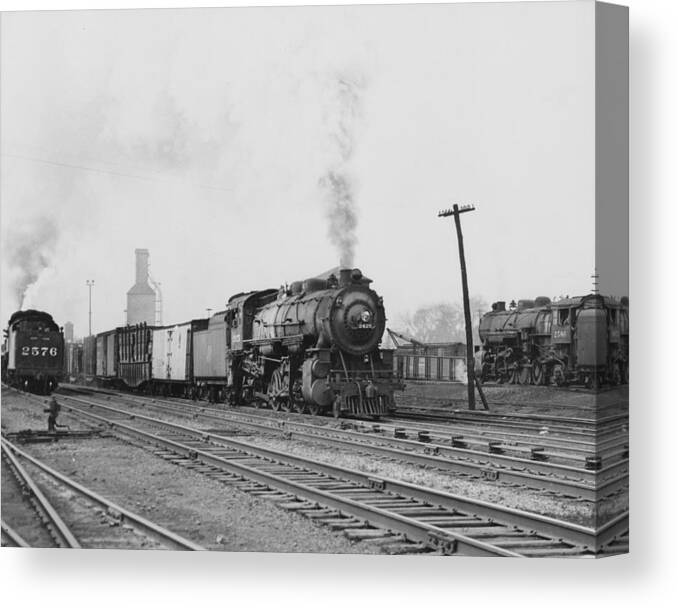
x=231, y=142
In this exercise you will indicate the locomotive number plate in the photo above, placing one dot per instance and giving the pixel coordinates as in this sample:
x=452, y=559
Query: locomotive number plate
x=39, y=351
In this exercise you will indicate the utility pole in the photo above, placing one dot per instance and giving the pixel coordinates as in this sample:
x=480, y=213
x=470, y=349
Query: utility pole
x=90, y=284
x=456, y=211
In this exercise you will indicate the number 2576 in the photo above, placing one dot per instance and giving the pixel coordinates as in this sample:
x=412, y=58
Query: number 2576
x=37, y=351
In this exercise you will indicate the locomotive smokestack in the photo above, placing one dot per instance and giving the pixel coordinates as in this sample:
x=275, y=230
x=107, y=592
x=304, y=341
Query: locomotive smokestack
x=345, y=277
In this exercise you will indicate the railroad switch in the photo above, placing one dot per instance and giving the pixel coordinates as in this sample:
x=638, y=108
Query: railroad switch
x=376, y=484
x=593, y=463
x=538, y=454
x=446, y=545
x=458, y=442
x=494, y=447
x=489, y=474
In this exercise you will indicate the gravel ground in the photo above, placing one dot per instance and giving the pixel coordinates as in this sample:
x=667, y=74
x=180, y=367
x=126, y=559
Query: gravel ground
x=207, y=512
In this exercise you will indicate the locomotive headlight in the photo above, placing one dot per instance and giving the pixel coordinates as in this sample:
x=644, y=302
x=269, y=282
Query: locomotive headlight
x=365, y=316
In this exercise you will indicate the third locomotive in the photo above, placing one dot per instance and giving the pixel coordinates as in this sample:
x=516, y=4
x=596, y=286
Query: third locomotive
x=582, y=340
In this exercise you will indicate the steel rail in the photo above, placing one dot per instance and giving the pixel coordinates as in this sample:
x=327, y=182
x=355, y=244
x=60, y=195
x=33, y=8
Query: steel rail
x=504, y=418
x=13, y=535
x=583, y=436
x=568, y=448
x=603, y=483
x=514, y=427
x=56, y=526
x=150, y=529
x=581, y=536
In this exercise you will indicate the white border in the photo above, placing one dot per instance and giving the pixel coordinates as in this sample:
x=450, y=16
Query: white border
x=646, y=578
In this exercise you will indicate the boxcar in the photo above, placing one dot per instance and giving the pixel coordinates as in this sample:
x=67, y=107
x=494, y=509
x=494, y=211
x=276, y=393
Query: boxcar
x=171, y=352
x=135, y=347
x=106, y=368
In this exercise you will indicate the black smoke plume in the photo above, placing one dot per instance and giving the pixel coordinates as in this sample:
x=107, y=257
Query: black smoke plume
x=342, y=214
x=30, y=250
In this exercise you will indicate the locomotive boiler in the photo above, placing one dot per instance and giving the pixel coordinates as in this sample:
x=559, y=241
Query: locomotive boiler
x=581, y=340
x=317, y=346
x=33, y=352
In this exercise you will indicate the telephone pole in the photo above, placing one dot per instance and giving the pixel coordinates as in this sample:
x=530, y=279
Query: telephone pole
x=456, y=211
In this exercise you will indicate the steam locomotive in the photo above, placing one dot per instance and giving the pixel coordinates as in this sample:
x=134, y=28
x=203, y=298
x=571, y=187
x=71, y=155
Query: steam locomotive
x=310, y=346
x=583, y=340
x=33, y=352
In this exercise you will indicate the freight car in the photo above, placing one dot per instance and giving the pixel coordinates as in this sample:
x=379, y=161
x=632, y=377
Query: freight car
x=312, y=346
x=73, y=361
x=583, y=340
x=33, y=352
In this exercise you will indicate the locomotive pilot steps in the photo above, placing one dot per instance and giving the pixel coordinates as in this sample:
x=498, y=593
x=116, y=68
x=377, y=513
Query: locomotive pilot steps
x=313, y=346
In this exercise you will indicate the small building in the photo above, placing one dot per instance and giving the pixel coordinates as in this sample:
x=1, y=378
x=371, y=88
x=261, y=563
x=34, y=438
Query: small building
x=432, y=361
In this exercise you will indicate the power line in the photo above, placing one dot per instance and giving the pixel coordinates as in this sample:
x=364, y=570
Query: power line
x=107, y=172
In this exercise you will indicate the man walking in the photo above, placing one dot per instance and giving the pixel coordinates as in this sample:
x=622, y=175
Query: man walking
x=53, y=411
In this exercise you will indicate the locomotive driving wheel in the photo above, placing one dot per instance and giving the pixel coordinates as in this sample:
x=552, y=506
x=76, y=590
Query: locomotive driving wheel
x=525, y=374
x=501, y=371
x=514, y=373
x=559, y=375
x=616, y=374
x=277, y=393
x=538, y=373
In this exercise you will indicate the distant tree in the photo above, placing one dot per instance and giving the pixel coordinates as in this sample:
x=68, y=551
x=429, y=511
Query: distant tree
x=442, y=322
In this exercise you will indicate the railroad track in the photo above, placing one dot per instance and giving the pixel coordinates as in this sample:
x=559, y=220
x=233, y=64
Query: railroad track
x=578, y=449
x=106, y=524
x=519, y=420
x=405, y=517
x=551, y=443
x=568, y=481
